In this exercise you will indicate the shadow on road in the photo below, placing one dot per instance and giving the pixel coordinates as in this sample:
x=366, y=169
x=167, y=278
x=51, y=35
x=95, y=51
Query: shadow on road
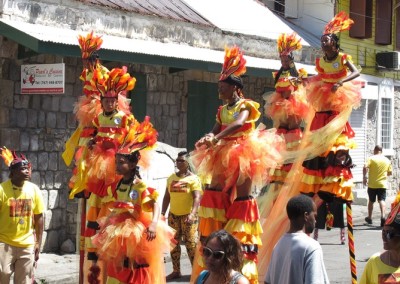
x=183, y=279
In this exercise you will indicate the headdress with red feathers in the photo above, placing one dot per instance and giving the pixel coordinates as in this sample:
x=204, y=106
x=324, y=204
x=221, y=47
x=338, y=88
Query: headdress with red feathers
x=112, y=83
x=140, y=136
x=234, y=66
x=340, y=22
x=89, y=44
x=287, y=43
x=12, y=160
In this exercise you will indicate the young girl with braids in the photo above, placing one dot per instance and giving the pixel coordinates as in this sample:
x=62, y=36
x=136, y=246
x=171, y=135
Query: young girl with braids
x=132, y=238
x=234, y=158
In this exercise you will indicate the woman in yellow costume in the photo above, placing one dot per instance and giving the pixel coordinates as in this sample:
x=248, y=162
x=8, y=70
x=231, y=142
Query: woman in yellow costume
x=132, y=238
x=324, y=152
x=86, y=109
x=287, y=107
x=235, y=157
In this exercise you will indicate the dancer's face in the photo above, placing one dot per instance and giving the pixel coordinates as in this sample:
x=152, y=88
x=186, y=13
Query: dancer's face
x=109, y=104
x=285, y=61
x=123, y=166
x=225, y=90
x=327, y=43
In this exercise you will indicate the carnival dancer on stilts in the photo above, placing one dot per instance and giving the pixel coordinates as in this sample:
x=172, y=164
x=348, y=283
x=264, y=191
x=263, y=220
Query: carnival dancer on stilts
x=91, y=108
x=332, y=94
x=132, y=238
x=235, y=158
x=288, y=108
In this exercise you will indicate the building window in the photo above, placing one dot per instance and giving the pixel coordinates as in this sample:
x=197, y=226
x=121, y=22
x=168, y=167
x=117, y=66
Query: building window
x=386, y=116
x=383, y=22
x=361, y=14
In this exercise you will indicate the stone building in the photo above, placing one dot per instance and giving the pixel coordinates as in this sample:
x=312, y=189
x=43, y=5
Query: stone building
x=174, y=53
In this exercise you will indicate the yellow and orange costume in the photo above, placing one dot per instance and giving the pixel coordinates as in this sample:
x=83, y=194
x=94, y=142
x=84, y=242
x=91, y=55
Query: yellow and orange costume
x=246, y=154
x=287, y=106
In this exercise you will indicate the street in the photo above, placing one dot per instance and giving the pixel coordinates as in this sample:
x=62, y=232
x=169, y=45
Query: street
x=56, y=269
x=336, y=256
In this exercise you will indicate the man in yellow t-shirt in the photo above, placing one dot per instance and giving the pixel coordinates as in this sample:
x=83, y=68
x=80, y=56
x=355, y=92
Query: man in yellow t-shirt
x=21, y=221
x=378, y=168
x=183, y=195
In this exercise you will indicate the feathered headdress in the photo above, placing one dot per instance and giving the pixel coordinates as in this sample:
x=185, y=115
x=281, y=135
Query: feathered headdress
x=110, y=84
x=89, y=44
x=140, y=136
x=393, y=219
x=12, y=160
x=287, y=43
x=234, y=65
x=340, y=22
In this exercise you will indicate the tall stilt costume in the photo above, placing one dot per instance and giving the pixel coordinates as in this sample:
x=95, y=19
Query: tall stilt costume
x=288, y=108
x=325, y=147
x=123, y=240
x=235, y=158
x=107, y=130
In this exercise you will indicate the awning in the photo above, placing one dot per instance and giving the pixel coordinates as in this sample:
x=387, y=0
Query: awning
x=52, y=40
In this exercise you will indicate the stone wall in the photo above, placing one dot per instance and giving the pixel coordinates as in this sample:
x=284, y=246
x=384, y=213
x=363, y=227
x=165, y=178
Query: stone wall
x=39, y=125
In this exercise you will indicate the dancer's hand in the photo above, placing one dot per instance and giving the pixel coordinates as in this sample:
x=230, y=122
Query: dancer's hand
x=336, y=86
x=151, y=231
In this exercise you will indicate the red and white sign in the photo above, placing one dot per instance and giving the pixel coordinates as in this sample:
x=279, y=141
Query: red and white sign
x=43, y=79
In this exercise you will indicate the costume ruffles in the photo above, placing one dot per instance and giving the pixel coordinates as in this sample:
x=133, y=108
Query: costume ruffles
x=235, y=160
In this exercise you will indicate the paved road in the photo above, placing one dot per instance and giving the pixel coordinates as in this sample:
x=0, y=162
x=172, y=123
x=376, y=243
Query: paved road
x=55, y=269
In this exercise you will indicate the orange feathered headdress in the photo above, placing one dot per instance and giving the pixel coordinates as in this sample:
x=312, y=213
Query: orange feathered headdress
x=340, y=22
x=287, y=43
x=89, y=44
x=12, y=160
x=111, y=83
x=140, y=136
x=234, y=64
x=393, y=219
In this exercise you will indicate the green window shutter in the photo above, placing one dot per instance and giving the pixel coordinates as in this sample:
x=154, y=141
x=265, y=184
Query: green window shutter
x=203, y=104
x=138, y=96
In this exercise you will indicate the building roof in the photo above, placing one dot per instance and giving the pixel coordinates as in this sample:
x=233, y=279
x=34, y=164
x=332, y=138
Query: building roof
x=53, y=40
x=170, y=9
x=248, y=17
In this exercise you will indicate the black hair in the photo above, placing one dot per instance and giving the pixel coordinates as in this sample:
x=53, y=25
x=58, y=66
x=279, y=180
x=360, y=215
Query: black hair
x=335, y=39
x=299, y=205
x=133, y=158
x=183, y=153
x=233, y=251
x=234, y=80
x=378, y=148
x=292, y=69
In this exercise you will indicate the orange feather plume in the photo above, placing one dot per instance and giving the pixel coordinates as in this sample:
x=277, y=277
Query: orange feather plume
x=234, y=63
x=340, y=22
x=288, y=43
x=140, y=136
x=111, y=83
x=89, y=44
x=7, y=156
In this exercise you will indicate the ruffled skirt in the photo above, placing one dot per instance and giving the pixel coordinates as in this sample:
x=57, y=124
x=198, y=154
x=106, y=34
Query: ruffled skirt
x=235, y=160
x=122, y=237
x=330, y=172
